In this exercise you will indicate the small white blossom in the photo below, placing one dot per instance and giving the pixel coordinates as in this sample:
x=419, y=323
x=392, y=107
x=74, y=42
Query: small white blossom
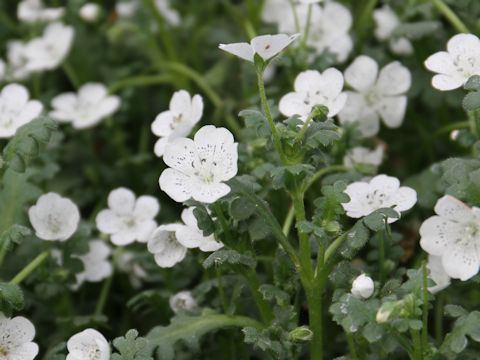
x=54, y=217
x=314, y=88
x=16, y=61
x=386, y=22
x=182, y=301
x=96, y=264
x=127, y=218
x=437, y=274
x=199, y=167
x=30, y=11
x=126, y=9
x=183, y=113
x=90, y=12
x=266, y=46
x=87, y=108
x=16, y=109
x=381, y=192
x=456, y=65
x=190, y=236
x=362, y=287
x=48, y=51
x=363, y=155
x=377, y=94
x=170, y=15
x=165, y=247
x=16, y=339
x=88, y=345
x=454, y=235
x=127, y=263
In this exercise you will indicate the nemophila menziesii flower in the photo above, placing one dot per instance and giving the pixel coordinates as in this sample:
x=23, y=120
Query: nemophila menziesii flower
x=382, y=191
x=314, y=88
x=266, y=46
x=456, y=65
x=128, y=218
x=16, y=61
x=88, y=345
x=190, y=236
x=199, y=167
x=54, y=217
x=165, y=247
x=182, y=301
x=96, y=264
x=454, y=235
x=16, y=339
x=183, y=113
x=31, y=11
x=377, y=95
x=362, y=287
x=16, y=109
x=171, y=15
x=90, y=12
x=86, y=108
x=362, y=155
x=437, y=273
x=386, y=22
x=48, y=51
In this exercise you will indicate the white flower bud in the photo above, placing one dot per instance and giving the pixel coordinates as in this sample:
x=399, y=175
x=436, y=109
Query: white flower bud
x=454, y=135
x=182, y=301
x=362, y=287
x=90, y=12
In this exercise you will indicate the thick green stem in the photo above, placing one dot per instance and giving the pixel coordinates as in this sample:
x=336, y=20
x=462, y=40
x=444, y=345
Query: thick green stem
x=27, y=270
x=417, y=345
x=351, y=346
x=425, y=344
x=304, y=243
x=263, y=307
x=445, y=10
x=314, y=299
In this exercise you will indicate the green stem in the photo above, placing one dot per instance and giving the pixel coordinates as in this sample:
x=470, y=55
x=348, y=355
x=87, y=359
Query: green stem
x=364, y=19
x=451, y=127
x=425, y=344
x=304, y=247
x=334, y=246
x=351, y=346
x=321, y=173
x=445, y=10
x=381, y=256
x=295, y=16
x=102, y=300
x=314, y=300
x=263, y=307
x=307, y=26
x=71, y=75
x=417, y=346
x=221, y=290
x=223, y=222
x=139, y=81
x=288, y=220
x=304, y=128
x=27, y=270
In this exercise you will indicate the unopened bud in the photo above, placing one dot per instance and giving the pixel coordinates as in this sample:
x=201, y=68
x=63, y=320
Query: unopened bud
x=301, y=334
x=363, y=287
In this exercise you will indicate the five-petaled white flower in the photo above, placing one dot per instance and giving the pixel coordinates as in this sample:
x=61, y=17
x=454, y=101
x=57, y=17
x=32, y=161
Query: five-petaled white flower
x=88, y=345
x=30, y=11
x=16, y=335
x=456, y=65
x=90, y=12
x=54, y=217
x=266, y=46
x=362, y=287
x=363, y=155
x=182, y=301
x=454, y=235
x=183, y=113
x=48, y=51
x=386, y=22
x=128, y=219
x=165, y=247
x=437, y=274
x=314, y=88
x=381, y=192
x=16, y=61
x=96, y=264
x=199, y=167
x=16, y=109
x=190, y=236
x=87, y=108
x=377, y=95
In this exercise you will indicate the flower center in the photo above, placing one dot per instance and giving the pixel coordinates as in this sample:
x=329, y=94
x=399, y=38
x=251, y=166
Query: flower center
x=372, y=97
x=376, y=199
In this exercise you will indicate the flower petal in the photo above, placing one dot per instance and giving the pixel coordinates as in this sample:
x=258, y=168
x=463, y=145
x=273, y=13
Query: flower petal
x=109, y=222
x=267, y=46
x=295, y=103
x=209, y=193
x=146, y=207
x=438, y=234
x=461, y=262
x=362, y=73
x=394, y=79
x=453, y=209
x=176, y=184
x=121, y=201
x=392, y=110
x=242, y=50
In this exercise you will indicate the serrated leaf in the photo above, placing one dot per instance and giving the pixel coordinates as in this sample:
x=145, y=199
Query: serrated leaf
x=132, y=347
x=271, y=292
x=11, y=297
x=231, y=257
x=471, y=101
x=473, y=83
x=240, y=209
x=376, y=220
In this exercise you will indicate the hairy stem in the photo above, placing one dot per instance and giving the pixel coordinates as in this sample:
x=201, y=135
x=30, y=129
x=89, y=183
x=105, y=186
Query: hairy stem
x=27, y=270
x=263, y=307
x=448, y=13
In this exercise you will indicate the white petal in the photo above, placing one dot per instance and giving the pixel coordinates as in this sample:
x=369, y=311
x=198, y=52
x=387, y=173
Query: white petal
x=145, y=230
x=189, y=237
x=15, y=96
x=441, y=62
x=464, y=45
x=209, y=193
x=357, y=192
x=124, y=237
x=437, y=274
x=189, y=218
x=267, y=46
x=401, y=46
x=109, y=222
x=160, y=144
x=146, y=207
x=295, y=103
x=121, y=201
x=447, y=82
x=453, y=209
x=307, y=81
x=176, y=184
x=392, y=110
x=242, y=50
x=337, y=105
x=164, y=123
x=92, y=92
x=394, y=79
x=386, y=21
x=404, y=198
x=180, y=101
x=180, y=154
x=438, y=234
x=461, y=262
x=362, y=73
x=19, y=329
x=84, y=343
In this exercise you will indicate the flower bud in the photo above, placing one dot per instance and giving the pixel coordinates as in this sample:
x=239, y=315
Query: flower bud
x=362, y=287
x=301, y=334
x=383, y=314
x=182, y=301
x=90, y=12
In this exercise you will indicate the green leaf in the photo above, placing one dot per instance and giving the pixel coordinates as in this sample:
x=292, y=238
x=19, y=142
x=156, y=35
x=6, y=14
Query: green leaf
x=231, y=257
x=11, y=297
x=353, y=313
x=271, y=292
x=356, y=239
x=376, y=220
x=372, y=332
x=473, y=83
x=204, y=221
x=322, y=134
x=471, y=101
x=241, y=209
x=255, y=120
x=132, y=347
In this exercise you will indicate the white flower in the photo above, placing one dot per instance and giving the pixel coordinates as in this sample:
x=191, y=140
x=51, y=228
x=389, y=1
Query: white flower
x=16, y=335
x=165, y=247
x=386, y=22
x=456, y=65
x=126, y=9
x=184, y=112
x=381, y=192
x=377, y=95
x=16, y=65
x=54, y=217
x=128, y=219
x=199, y=167
x=96, y=264
x=182, y=301
x=16, y=109
x=88, y=345
x=314, y=88
x=170, y=15
x=437, y=274
x=31, y=11
x=3, y=69
x=266, y=46
x=48, y=51
x=454, y=235
x=363, y=155
x=362, y=287
x=128, y=264
x=87, y=108
x=190, y=236
x=90, y=12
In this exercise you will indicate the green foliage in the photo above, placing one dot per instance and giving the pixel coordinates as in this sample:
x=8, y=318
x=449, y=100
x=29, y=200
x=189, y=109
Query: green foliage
x=417, y=30
x=230, y=257
x=132, y=347
x=11, y=298
x=376, y=221
x=466, y=326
